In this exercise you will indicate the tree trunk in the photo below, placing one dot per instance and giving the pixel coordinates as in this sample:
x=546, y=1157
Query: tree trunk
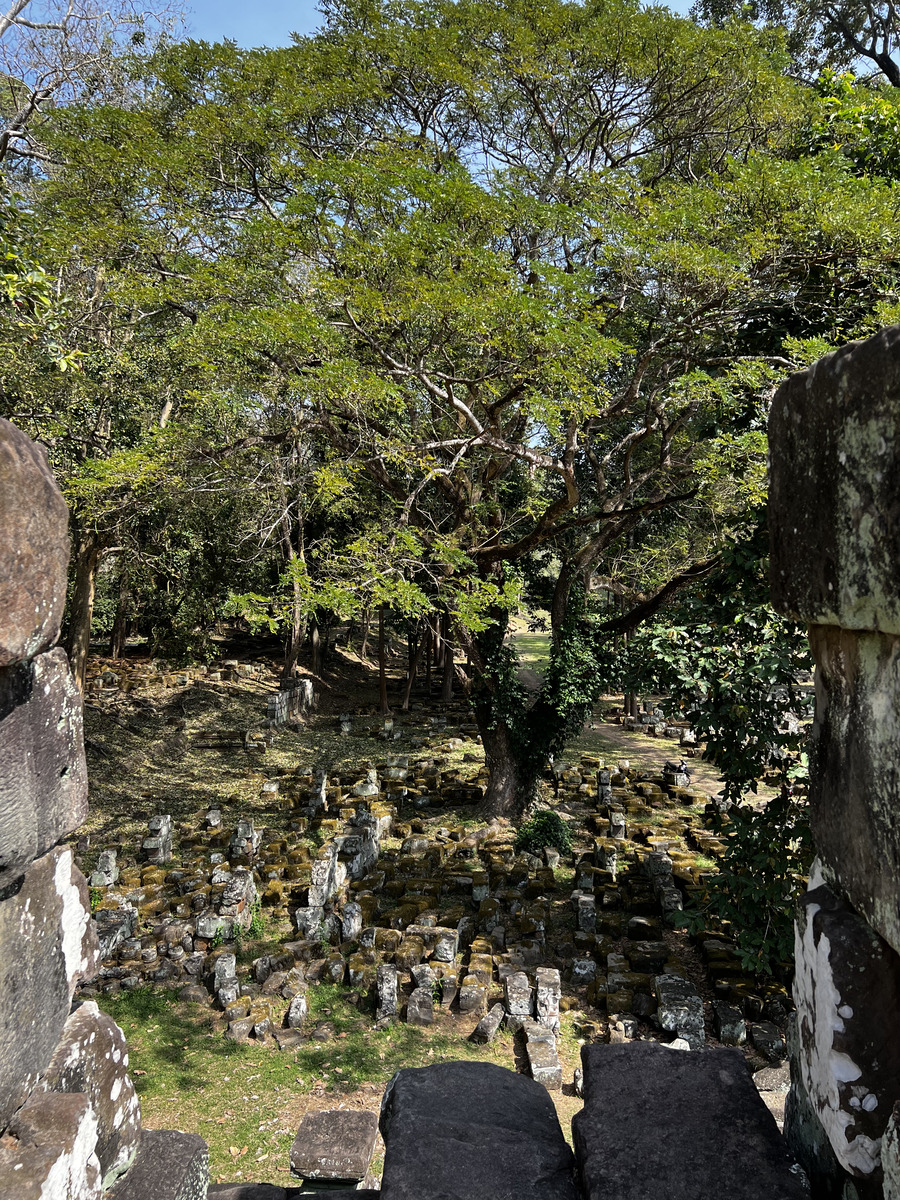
x=447, y=680
x=413, y=667
x=315, y=646
x=297, y=632
x=365, y=636
x=119, y=630
x=505, y=794
x=559, y=605
x=296, y=636
x=382, y=674
x=88, y=554
x=438, y=645
x=429, y=645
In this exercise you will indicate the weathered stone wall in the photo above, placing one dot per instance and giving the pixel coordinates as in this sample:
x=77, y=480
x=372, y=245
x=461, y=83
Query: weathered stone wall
x=69, y=1115
x=835, y=527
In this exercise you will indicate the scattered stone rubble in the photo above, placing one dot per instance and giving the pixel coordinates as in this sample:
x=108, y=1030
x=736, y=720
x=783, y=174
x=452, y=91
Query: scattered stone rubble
x=444, y=918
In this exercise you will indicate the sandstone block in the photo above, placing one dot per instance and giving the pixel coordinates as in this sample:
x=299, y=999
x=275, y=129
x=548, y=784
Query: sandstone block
x=680, y=1009
x=543, y=1063
x=43, y=777
x=847, y=992
x=472, y=1131
x=486, y=1029
x=334, y=1146
x=548, y=991
x=834, y=493
x=47, y=945
x=687, y=1126
x=386, y=987
x=48, y=1150
x=297, y=1011
x=169, y=1166
x=34, y=550
x=92, y=1058
x=854, y=791
x=731, y=1028
x=420, y=1007
x=519, y=996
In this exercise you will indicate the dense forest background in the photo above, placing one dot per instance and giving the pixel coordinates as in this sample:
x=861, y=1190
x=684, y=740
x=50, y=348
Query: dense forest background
x=447, y=310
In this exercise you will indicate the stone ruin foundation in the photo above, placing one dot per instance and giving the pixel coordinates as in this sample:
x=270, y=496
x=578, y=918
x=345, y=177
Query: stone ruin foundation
x=69, y=1115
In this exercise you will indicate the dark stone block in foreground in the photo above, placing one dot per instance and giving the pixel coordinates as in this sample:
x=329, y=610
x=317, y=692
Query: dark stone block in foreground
x=472, y=1131
x=169, y=1166
x=683, y=1126
x=335, y=1145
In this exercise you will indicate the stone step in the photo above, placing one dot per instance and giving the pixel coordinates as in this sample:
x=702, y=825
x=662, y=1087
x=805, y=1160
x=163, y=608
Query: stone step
x=472, y=1131
x=690, y=1126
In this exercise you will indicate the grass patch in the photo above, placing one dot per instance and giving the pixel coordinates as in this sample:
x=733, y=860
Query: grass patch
x=533, y=649
x=253, y=1096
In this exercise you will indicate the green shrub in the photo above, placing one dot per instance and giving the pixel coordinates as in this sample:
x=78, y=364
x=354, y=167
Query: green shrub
x=545, y=828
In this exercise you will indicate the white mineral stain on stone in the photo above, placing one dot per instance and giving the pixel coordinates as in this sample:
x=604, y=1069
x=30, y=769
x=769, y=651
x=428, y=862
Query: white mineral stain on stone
x=871, y=1102
x=76, y=1173
x=825, y=1070
x=116, y=1089
x=75, y=917
x=843, y=1068
x=890, y=1159
x=846, y=1011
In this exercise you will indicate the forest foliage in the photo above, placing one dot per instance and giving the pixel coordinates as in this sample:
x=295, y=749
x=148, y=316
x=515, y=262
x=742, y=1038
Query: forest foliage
x=448, y=307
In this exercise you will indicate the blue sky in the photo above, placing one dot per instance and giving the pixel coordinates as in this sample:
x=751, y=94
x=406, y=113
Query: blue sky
x=268, y=22
x=263, y=23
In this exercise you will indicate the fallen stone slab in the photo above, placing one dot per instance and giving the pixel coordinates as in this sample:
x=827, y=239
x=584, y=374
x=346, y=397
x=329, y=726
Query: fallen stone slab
x=334, y=1146
x=690, y=1126
x=169, y=1166
x=486, y=1029
x=472, y=1131
x=544, y=1064
x=680, y=1009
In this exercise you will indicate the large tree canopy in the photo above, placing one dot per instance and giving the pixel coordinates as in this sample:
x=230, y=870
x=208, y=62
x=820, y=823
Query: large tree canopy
x=493, y=294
